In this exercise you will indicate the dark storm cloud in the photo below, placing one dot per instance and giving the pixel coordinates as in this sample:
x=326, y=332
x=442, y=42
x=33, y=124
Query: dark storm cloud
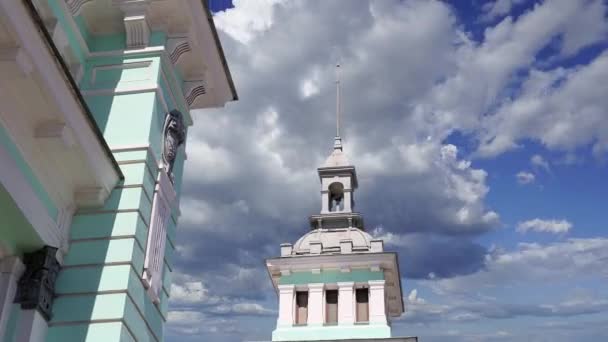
x=410, y=78
x=251, y=181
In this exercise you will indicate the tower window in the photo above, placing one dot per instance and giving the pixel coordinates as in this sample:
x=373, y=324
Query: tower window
x=301, y=307
x=331, y=306
x=336, y=197
x=362, y=298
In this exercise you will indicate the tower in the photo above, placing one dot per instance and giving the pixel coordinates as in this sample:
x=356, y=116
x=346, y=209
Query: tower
x=336, y=283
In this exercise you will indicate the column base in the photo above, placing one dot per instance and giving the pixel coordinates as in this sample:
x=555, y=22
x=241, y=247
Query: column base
x=331, y=332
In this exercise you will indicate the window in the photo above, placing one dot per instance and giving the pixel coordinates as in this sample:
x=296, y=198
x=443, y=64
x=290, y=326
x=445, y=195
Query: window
x=362, y=297
x=331, y=306
x=301, y=307
x=336, y=197
x=164, y=198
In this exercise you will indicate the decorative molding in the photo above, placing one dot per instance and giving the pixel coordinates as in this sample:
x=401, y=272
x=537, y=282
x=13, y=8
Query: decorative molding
x=14, y=62
x=122, y=91
x=26, y=199
x=176, y=47
x=90, y=196
x=123, y=66
x=174, y=135
x=54, y=130
x=99, y=165
x=192, y=90
x=137, y=31
x=136, y=7
x=75, y=6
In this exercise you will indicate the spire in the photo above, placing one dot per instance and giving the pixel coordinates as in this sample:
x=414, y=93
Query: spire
x=337, y=139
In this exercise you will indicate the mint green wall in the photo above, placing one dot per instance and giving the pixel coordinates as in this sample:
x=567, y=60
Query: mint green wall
x=99, y=288
x=95, y=332
x=106, y=257
x=17, y=233
x=27, y=172
x=330, y=276
x=72, y=36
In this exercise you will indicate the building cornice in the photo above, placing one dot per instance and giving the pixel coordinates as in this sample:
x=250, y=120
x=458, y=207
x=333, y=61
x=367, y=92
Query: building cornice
x=73, y=85
x=218, y=44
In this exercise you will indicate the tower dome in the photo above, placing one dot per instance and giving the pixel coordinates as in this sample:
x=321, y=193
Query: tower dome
x=336, y=283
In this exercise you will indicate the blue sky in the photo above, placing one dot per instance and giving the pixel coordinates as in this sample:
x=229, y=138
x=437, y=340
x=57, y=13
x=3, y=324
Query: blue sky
x=480, y=135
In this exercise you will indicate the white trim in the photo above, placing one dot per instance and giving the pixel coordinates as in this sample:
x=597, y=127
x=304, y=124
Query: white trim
x=127, y=65
x=162, y=206
x=74, y=27
x=122, y=90
x=31, y=327
x=26, y=199
x=11, y=269
x=54, y=80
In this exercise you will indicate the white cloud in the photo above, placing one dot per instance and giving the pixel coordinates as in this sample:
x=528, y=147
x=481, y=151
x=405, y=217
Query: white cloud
x=524, y=177
x=498, y=8
x=538, y=161
x=544, y=226
x=251, y=309
x=532, y=262
x=191, y=292
x=240, y=24
x=411, y=78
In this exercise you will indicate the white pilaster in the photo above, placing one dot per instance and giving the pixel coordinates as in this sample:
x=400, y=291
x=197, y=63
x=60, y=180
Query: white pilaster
x=315, y=303
x=32, y=327
x=377, y=312
x=348, y=200
x=324, y=202
x=346, y=303
x=286, y=305
x=11, y=269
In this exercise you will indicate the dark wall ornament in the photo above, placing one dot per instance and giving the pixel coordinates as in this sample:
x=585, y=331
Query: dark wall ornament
x=174, y=135
x=36, y=287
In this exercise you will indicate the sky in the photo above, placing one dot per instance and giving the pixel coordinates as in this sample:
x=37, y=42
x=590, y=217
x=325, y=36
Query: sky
x=479, y=131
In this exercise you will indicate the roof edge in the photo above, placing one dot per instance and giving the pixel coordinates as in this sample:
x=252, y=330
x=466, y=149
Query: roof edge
x=220, y=49
x=73, y=85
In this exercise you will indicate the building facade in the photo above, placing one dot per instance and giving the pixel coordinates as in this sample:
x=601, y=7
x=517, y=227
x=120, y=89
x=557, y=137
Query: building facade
x=336, y=283
x=96, y=101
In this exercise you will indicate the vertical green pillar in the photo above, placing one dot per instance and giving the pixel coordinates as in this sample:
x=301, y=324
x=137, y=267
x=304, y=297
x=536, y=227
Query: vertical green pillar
x=99, y=290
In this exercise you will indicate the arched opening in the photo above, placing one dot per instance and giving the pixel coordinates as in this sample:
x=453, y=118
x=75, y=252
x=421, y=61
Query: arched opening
x=336, y=197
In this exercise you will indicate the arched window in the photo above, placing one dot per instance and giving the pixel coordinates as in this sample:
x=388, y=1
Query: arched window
x=336, y=197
